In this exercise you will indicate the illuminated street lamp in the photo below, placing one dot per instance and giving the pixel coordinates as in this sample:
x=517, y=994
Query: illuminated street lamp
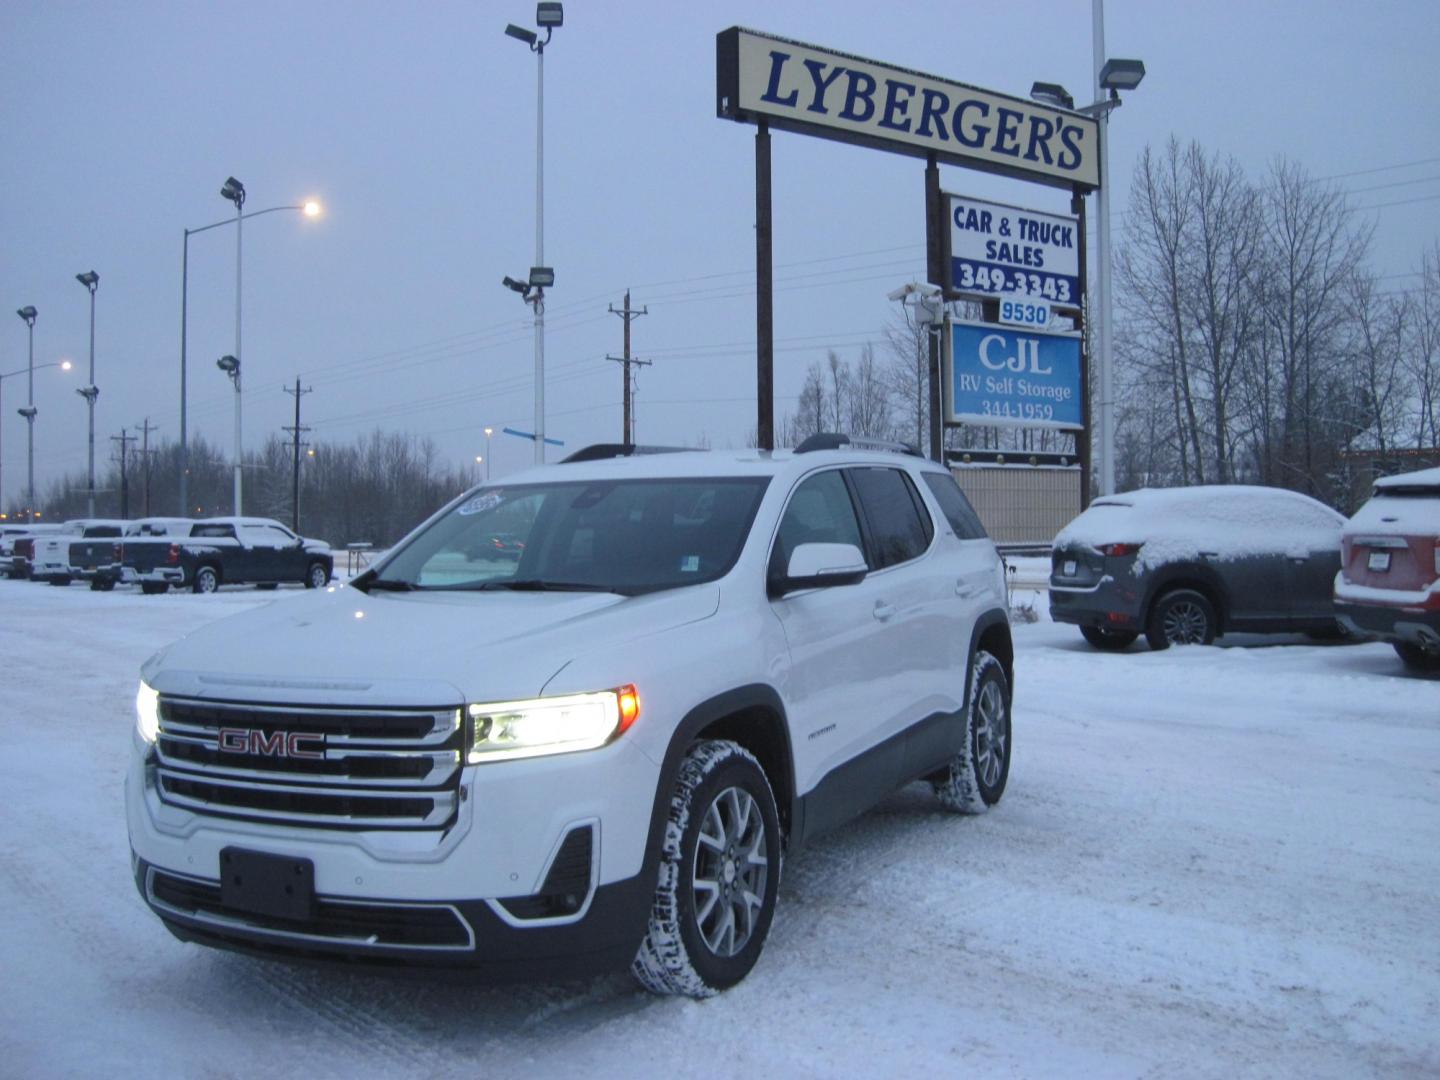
x=63, y=365
x=91, y=280
x=549, y=16
x=310, y=208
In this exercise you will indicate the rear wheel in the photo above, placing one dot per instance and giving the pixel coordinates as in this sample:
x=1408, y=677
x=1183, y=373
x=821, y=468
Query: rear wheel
x=1418, y=659
x=1181, y=617
x=1109, y=640
x=207, y=580
x=976, y=777
x=719, y=875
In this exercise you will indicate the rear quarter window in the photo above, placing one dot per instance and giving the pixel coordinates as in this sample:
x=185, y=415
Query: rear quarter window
x=955, y=506
x=899, y=525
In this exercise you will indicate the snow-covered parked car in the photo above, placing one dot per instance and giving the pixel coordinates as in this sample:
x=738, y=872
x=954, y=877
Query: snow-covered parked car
x=1389, y=583
x=212, y=552
x=1186, y=565
x=592, y=755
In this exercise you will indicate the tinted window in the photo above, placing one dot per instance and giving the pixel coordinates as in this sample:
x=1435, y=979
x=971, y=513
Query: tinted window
x=955, y=506
x=899, y=526
x=820, y=512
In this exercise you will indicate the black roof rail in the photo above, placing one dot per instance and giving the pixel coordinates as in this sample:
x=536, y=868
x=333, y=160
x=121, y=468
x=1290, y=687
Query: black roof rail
x=601, y=451
x=830, y=440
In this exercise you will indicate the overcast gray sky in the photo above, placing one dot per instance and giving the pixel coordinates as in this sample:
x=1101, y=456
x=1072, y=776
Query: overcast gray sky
x=415, y=124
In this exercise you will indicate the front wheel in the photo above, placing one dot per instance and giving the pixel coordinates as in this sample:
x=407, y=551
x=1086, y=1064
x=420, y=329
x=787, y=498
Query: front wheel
x=1417, y=659
x=719, y=875
x=317, y=576
x=1109, y=640
x=207, y=580
x=976, y=776
x=1181, y=617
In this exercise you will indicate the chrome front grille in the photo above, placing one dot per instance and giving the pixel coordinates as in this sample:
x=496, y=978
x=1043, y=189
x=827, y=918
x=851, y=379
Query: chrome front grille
x=302, y=765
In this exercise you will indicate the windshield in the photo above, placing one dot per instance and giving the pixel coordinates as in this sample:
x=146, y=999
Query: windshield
x=625, y=536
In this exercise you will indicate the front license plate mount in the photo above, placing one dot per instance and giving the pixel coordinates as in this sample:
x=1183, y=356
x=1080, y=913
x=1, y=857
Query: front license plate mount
x=280, y=886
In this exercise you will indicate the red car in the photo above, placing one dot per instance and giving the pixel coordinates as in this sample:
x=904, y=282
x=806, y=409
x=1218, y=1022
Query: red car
x=1389, y=581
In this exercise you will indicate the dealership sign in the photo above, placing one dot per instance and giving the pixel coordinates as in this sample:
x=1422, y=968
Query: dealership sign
x=813, y=90
x=1022, y=378
x=998, y=250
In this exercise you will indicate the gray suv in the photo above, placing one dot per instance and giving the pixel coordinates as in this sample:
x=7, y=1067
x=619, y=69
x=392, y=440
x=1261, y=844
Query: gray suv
x=1185, y=565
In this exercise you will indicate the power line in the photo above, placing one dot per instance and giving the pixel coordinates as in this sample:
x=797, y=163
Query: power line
x=1378, y=169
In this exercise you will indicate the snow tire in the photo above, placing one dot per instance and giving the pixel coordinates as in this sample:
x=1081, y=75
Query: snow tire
x=1181, y=617
x=1417, y=659
x=317, y=576
x=207, y=580
x=977, y=775
x=718, y=786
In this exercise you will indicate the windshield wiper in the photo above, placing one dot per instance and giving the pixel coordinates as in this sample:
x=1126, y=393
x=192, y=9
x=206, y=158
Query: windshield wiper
x=386, y=585
x=542, y=585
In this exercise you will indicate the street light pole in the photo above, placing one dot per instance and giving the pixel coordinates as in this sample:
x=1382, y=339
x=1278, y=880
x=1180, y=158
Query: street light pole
x=63, y=365
x=90, y=391
x=309, y=209
x=28, y=314
x=488, y=432
x=234, y=190
x=548, y=15
x=1105, y=358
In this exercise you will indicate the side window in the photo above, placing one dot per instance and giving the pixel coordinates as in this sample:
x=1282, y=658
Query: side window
x=955, y=506
x=899, y=525
x=820, y=512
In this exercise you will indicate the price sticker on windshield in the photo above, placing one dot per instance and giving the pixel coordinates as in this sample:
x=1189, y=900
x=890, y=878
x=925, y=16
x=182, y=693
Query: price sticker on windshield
x=1025, y=313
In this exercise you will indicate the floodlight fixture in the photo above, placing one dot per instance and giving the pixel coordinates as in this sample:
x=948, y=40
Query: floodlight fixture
x=233, y=190
x=1119, y=75
x=311, y=208
x=521, y=34
x=28, y=313
x=89, y=279
x=549, y=14
x=519, y=286
x=1049, y=93
x=542, y=277
x=229, y=365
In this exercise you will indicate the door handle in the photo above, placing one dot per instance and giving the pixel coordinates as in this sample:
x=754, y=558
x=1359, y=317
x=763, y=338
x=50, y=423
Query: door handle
x=963, y=590
x=883, y=610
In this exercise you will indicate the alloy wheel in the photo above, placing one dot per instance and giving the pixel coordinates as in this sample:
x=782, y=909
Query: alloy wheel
x=732, y=865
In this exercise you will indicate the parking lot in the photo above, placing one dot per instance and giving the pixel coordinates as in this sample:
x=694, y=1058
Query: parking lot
x=1210, y=861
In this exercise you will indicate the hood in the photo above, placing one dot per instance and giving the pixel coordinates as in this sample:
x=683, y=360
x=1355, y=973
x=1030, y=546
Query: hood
x=344, y=646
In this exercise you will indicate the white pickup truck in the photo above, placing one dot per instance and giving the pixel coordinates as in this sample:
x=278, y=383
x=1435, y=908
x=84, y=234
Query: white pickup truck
x=51, y=560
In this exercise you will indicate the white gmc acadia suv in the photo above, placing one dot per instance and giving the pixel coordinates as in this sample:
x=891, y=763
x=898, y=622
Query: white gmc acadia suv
x=592, y=755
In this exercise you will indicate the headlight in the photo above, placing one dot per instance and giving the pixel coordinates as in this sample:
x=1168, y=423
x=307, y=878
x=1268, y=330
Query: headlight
x=550, y=725
x=147, y=713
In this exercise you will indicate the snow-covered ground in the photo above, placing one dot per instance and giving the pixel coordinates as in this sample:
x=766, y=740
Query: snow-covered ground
x=1210, y=861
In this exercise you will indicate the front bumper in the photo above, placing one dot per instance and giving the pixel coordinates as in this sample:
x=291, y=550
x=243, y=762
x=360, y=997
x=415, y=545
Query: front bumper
x=471, y=895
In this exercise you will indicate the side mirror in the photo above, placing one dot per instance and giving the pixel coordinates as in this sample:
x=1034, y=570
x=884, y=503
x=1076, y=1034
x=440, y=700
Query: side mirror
x=819, y=566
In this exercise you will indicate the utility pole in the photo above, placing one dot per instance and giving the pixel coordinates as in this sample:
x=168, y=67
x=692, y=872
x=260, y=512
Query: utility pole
x=145, y=453
x=629, y=315
x=295, y=433
x=124, y=439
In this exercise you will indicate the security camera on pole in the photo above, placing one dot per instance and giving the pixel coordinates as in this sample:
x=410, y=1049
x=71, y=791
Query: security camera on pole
x=28, y=313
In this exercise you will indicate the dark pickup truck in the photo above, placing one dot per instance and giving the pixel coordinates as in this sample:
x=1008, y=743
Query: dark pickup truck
x=204, y=555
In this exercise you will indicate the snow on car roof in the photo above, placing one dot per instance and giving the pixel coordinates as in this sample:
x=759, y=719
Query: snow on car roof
x=1419, y=478
x=1226, y=521
x=706, y=463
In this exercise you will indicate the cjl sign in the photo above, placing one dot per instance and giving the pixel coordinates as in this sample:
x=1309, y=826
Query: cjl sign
x=1019, y=378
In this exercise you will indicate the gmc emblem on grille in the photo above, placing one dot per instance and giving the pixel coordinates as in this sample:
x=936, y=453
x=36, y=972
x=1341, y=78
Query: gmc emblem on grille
x=283, y=744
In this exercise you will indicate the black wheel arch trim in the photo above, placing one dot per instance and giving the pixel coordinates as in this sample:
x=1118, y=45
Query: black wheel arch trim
x=986, y=626
x=742, y=699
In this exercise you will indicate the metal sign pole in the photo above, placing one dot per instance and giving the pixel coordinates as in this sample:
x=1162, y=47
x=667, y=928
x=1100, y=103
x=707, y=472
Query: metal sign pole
x=764, y=296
